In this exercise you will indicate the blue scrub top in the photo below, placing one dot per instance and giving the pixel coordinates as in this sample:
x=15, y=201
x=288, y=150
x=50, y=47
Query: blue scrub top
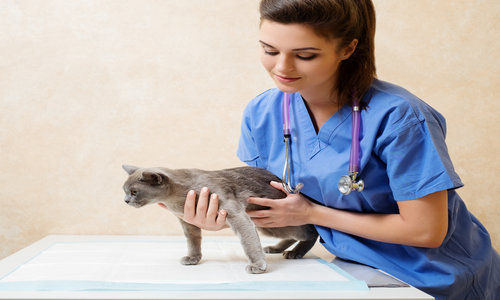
x=403, y=156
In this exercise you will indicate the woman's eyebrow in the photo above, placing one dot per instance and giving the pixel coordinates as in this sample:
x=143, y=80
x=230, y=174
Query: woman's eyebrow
x=298, y=49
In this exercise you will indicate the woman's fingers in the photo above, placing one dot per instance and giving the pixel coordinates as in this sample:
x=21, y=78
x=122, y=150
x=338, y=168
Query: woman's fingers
x=215, y=219
x=213, y=207
x=263, y=201
x=279, y=186
x=264, y=213
x=263, y=222
x=201, y=206
x=189, y=205
x=221, y=219
x=204, y=213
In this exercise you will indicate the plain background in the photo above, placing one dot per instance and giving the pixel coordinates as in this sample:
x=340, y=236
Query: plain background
x=86, y=86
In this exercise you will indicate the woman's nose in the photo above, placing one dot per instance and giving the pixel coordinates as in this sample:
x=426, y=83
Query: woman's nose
x=284, y=64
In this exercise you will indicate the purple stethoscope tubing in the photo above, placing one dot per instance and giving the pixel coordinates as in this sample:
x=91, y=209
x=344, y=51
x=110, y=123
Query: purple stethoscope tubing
x=347, y=183
x=286, y=115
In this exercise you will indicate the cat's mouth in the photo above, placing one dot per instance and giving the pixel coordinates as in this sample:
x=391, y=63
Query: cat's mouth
x=136, y=204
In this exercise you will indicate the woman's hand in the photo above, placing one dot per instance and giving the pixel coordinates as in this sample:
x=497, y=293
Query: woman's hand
x=205, y=214
x=294, y=210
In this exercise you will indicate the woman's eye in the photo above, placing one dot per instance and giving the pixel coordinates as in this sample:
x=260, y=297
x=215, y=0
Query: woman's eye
x=303, y=57
x=271, y=52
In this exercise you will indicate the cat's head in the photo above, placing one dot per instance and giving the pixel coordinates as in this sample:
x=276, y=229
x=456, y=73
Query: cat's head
x=145, y=186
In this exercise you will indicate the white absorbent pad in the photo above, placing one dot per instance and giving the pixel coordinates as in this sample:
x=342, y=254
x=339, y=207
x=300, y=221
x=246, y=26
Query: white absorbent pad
x=155, y=266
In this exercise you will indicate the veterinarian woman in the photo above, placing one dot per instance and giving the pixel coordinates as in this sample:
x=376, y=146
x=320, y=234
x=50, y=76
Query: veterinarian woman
x=409, y=220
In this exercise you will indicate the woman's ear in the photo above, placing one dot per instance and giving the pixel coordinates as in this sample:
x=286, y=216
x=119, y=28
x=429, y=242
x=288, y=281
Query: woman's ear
x=348, y=50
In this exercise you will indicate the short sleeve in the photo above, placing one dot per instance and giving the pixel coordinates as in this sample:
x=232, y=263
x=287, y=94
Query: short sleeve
x=417, y=160
x=247, y=149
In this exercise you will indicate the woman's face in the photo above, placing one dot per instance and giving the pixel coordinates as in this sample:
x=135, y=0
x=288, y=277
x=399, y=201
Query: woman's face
x=298, y=59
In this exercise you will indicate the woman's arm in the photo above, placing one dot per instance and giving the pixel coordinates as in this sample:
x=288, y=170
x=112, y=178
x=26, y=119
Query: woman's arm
x=421, y=222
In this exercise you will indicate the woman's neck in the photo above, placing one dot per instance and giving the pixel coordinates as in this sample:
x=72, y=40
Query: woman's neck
x=320, y=108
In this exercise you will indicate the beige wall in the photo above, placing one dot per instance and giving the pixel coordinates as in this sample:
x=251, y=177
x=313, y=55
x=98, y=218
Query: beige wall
x=88, y=85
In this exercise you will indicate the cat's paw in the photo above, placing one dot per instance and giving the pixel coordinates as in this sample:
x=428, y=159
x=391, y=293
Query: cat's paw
x=293, y=254
x=191, y=260
x=256, y=268
x=271, y=249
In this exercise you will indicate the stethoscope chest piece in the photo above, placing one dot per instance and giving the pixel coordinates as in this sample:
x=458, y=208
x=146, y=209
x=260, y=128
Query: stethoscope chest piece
x=348, y=183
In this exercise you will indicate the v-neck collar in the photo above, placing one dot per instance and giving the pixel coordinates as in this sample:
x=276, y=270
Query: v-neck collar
x=318, y=141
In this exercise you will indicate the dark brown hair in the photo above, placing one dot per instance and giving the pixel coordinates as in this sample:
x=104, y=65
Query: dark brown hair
x=340, y=19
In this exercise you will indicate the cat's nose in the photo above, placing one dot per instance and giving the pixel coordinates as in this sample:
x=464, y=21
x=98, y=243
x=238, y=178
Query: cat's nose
x=127, y=200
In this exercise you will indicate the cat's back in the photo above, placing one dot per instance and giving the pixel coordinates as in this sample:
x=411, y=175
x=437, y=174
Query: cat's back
x=249, y=176
x=234, y=183
x=250, y=182
x=239, y=174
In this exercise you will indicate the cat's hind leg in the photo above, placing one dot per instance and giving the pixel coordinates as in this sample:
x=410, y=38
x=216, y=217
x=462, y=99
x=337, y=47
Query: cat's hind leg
x=243, y=226
x=300, y=249
x=193, y=236
x=280, y=247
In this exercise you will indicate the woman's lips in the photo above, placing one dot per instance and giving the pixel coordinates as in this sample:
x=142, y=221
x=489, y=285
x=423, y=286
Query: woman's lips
x=286, y=79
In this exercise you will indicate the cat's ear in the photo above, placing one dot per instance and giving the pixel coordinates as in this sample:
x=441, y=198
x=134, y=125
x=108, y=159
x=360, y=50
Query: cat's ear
x=153, y=178
x=130, y=169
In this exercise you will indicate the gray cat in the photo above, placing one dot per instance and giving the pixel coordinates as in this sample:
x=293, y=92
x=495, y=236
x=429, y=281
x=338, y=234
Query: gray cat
x=234, y=187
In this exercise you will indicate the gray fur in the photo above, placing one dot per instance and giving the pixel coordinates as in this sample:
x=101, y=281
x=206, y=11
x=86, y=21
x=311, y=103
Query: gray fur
x=233, y=186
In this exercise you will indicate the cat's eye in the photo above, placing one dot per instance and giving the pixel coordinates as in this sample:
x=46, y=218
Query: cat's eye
x=133, y=193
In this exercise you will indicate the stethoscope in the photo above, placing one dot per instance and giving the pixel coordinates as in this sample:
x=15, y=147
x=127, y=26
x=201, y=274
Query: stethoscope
x=347, y=183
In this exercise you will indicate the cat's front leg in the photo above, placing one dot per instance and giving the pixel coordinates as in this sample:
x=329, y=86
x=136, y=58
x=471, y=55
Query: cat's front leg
x=193, y=236
x=243, y=226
